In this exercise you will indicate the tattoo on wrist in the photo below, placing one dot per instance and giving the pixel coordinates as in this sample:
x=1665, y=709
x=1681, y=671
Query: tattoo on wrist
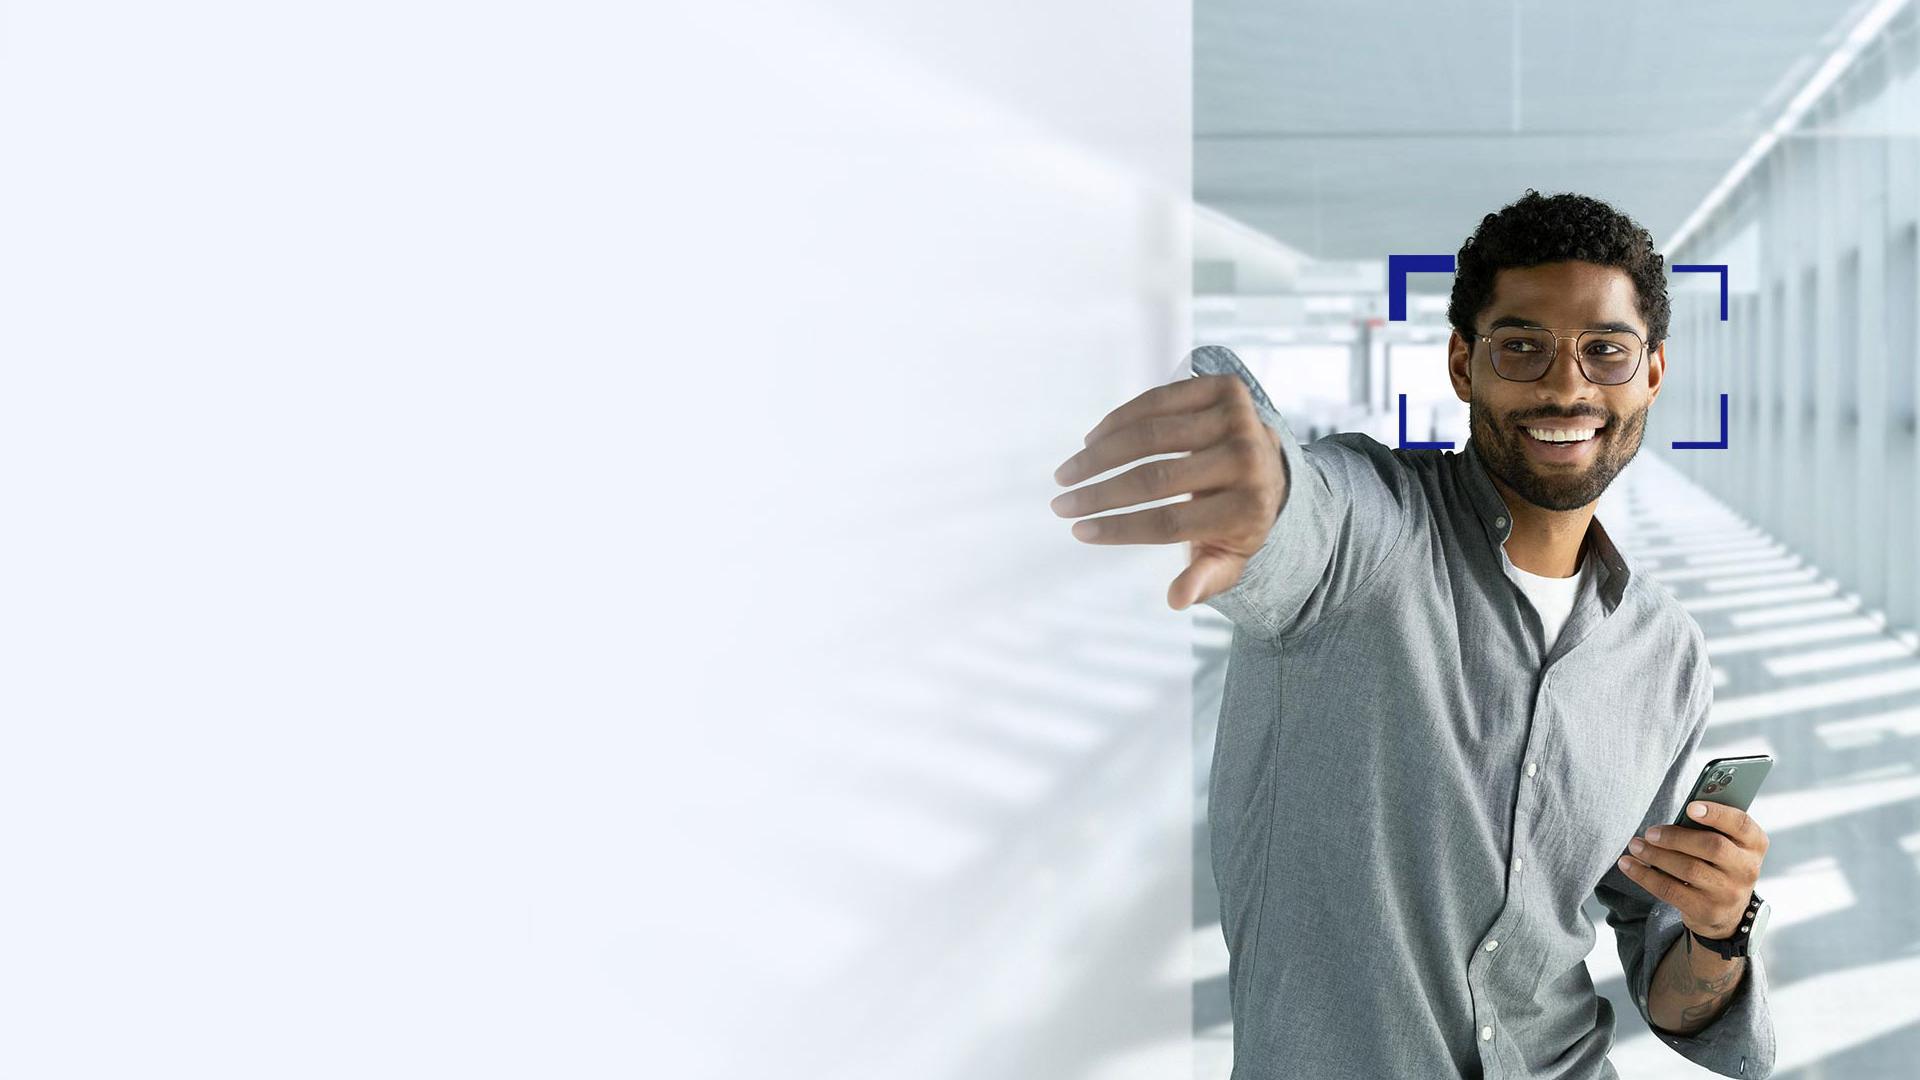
x=1683, y=980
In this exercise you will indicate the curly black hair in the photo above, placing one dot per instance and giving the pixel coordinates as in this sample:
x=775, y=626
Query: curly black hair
x=1536, y=229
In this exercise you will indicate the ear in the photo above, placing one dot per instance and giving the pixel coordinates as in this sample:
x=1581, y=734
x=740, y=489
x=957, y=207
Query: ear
x=1460, y=365
x=1656, y=371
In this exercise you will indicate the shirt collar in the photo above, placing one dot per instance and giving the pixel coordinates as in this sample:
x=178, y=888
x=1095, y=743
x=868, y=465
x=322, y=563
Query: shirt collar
x=1613, y=569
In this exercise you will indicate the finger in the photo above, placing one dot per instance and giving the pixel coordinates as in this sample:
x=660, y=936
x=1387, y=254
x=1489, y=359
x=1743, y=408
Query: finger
x=1706, y=845
x=1183, y=395
x=1203, y=517
x=1203, y=470
x=1166, y=433
x=1727, y=819
x=1211, y=574
x=1698, y=873
x=1663, y=886
x=1715, y=815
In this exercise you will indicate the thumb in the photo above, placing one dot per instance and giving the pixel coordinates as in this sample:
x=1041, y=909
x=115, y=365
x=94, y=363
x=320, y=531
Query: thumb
x=1210, y=573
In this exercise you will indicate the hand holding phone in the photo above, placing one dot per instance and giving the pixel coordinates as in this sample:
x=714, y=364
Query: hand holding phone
x=1722, y=908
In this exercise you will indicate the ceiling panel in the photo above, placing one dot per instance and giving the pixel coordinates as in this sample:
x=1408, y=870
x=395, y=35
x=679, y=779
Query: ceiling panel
x=1357, y=130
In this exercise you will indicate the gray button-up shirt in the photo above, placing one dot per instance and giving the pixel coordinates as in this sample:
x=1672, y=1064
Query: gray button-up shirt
x=1410, y=801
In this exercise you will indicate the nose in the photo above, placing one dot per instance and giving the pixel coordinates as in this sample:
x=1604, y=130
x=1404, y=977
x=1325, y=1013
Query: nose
x=1564, y=380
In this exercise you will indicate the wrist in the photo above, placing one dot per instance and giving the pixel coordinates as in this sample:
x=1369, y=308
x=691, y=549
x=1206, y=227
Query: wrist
x=1739, y=942
x=1703, y=960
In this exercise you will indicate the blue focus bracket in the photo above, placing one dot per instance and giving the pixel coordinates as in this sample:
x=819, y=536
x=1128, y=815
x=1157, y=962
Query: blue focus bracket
x=1398, y=267
x=1443, y=444
x=1721, y=445
x=1709, y=268
x=1721, y=269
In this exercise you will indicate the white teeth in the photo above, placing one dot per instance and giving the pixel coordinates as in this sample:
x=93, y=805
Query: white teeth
x=1548, y=435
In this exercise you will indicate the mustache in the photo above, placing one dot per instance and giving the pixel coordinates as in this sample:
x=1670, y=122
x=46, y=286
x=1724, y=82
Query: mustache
x=1536, y=421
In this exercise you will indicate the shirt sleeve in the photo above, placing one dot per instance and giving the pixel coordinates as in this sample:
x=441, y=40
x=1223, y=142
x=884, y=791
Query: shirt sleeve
x=1740, y=1041
x=1348, y=505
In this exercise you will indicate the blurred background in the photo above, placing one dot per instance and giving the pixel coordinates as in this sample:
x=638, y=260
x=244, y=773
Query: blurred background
x=1779, y=139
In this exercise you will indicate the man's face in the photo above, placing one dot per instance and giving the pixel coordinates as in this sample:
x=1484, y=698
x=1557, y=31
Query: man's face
x=1567, y=296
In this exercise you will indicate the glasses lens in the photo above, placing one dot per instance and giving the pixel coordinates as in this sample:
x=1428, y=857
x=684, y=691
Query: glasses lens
x=1521, y=354
x=1609, y=357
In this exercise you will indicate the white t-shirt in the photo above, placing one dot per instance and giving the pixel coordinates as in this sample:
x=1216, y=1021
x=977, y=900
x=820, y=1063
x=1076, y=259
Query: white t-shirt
x=1552, y=597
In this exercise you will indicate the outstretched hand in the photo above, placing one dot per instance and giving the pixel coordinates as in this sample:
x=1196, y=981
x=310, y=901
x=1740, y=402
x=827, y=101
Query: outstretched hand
x=1233, y=470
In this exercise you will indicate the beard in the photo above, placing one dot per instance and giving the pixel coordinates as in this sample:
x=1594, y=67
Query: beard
x=1505, y=452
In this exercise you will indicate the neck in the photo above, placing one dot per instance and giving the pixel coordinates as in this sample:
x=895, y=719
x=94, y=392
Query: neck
x=1549, y=543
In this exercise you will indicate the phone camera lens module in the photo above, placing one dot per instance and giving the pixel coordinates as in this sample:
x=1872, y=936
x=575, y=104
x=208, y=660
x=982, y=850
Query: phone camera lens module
x=1718, y=781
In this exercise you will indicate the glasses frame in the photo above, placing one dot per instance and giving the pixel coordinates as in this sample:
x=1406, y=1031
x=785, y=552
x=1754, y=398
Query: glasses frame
x=1639, y=357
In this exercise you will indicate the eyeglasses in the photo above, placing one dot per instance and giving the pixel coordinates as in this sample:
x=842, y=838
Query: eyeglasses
x=1525, y=353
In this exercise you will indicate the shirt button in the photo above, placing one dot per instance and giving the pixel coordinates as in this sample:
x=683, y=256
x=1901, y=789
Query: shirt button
x=1492, y=944
x=1532, y=767
x=1486, y=1033
x=1499, y=523
x=1516, y=862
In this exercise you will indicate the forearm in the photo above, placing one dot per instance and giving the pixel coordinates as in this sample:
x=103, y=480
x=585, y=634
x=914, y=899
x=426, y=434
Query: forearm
x=1691, y=987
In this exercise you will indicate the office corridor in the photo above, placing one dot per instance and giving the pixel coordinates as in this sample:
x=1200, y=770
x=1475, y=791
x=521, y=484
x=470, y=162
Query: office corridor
x=1802, y=671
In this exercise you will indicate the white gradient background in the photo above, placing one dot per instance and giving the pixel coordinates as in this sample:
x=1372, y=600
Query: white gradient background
x=525, y=548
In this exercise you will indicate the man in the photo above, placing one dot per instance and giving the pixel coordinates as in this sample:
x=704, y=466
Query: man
x=1451, y=703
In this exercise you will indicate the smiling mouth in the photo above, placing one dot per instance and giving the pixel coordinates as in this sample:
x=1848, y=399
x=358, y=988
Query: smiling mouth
x=1597, y=432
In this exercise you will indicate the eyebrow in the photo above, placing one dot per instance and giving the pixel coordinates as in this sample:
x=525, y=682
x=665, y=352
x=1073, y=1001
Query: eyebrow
x=1516, y=320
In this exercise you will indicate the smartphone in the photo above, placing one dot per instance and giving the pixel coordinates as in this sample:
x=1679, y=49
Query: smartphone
x=1730, y=781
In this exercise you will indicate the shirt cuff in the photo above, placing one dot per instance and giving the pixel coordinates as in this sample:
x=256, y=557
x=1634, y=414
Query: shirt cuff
x=1292, y=561
x=1740, y=1041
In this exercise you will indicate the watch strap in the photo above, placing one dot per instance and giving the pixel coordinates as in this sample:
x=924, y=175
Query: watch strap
x=1734, y=945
